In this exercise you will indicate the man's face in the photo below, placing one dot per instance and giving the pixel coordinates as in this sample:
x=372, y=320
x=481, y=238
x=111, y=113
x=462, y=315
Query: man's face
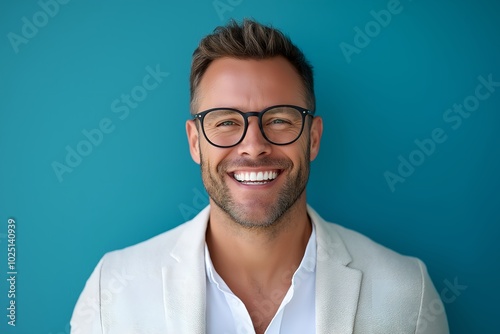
x=252, y=85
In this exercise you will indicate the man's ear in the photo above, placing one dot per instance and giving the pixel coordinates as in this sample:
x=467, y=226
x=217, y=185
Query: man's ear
x=193, y=140
x=315, y=135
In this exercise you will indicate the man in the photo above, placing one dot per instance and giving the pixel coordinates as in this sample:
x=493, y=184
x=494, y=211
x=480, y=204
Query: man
x=258, y=259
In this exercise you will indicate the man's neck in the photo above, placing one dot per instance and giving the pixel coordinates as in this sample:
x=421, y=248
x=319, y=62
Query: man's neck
x=258, y=256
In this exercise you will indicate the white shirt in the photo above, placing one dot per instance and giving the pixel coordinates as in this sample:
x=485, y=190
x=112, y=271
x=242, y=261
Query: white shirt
x=226, y=313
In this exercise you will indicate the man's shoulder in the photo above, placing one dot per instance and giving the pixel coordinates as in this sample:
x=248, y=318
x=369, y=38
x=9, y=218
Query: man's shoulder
x=395, y=290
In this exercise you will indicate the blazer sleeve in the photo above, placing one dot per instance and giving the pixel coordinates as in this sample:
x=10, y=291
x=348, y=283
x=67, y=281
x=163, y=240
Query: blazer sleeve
x=86, y=318
x=431, y=318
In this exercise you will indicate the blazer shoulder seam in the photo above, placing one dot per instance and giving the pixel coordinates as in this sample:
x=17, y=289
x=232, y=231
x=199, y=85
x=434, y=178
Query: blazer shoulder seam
x=422, y=290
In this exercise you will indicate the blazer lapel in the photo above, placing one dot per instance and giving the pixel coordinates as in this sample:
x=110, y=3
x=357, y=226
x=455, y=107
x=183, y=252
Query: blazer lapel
x=184, y=279
x=337, y=285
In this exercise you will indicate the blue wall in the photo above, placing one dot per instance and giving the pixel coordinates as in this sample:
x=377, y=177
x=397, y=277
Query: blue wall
x=384, y=91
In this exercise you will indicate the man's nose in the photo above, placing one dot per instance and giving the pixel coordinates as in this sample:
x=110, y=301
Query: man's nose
x=254, y=144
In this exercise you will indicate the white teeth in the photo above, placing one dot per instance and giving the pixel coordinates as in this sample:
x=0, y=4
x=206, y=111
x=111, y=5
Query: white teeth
x=255, y=176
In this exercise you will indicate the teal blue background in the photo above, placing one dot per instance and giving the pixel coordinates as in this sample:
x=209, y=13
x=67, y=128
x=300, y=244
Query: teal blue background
x=140, y=180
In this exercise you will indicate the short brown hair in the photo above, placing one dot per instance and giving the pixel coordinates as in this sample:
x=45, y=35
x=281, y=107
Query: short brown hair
x=250, y=40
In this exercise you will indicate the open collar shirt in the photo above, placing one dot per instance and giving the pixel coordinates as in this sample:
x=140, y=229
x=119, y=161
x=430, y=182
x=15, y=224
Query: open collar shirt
x=226, y=313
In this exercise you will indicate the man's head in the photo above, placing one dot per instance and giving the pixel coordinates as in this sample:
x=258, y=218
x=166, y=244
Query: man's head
x=250, y=68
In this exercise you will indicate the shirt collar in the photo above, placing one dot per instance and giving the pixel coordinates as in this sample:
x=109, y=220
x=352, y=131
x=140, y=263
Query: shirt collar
x=308, y=262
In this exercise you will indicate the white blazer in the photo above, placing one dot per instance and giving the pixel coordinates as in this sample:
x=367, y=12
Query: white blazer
x=158, y=286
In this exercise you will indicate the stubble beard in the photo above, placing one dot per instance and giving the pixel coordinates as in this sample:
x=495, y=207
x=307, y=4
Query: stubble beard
x=275, y=213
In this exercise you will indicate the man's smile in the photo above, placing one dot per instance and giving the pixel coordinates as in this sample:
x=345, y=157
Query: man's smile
x=252, y=177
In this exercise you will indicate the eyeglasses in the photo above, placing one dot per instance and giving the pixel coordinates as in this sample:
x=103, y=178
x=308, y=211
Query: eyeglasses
x=279, y=125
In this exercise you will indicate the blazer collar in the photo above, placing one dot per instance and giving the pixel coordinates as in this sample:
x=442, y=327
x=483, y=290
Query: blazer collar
x=184, y=279
x=337, y=285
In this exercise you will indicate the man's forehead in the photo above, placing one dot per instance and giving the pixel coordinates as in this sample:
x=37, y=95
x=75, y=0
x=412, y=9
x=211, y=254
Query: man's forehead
x=250, y=83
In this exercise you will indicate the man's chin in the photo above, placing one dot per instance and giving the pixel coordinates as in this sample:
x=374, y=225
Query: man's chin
x=251, y=216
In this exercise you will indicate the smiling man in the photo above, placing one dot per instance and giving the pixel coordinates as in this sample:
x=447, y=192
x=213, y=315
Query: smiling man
x=258, y=259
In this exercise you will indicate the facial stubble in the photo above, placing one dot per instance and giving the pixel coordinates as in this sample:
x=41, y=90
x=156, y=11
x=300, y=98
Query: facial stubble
x=276, y=212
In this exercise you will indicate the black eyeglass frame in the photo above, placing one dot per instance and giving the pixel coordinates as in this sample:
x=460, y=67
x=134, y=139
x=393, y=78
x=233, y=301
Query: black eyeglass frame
x=303, y=111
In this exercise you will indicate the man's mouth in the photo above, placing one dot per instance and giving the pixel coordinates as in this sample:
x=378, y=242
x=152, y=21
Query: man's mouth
x=255, y=177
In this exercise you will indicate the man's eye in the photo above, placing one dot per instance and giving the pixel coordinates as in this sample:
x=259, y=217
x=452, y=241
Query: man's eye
x=280, y=121
x=226, y=123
